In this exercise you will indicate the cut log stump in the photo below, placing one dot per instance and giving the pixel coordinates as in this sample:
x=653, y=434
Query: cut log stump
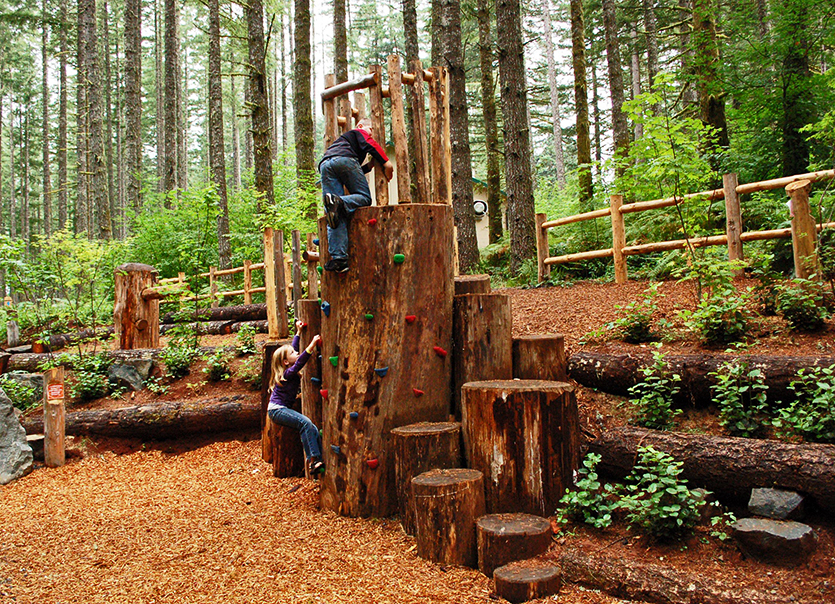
x=505, y=538
x=529, y=580
x=540, y=357
x=287, y=451
x=135, y=317
x=266, y=369
x=524, y=436
x=419, y=448
x=472, y=284
x=447, y=504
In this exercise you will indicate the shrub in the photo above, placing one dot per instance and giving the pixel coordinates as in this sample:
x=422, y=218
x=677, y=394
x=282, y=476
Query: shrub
x=246, y=340
x=249, y=372
x=178, y=359
x=634, y=323
x=217, y=366
x=89, y=377
x=812, y=413
x=740, y=393
x=801, y=303
x=653, y=397
x=766, y=290
x=21, y=395
x=592, y=501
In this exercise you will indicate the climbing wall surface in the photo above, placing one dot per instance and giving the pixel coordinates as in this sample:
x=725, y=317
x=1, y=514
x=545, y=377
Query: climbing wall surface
x=386, y=332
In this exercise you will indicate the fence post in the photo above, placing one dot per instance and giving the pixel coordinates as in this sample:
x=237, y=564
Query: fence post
x=329, y=109
x=437, y=128
x=247, y=281
x=269, y=282
x=213, y=285
x=398, y=131
x=543, y=270
x=312, y=275
x=733, y=219
x=381, y=185
x=280, y=283
x=297, y=270
x=804, y=230
x=618, y=238
x=54, y=419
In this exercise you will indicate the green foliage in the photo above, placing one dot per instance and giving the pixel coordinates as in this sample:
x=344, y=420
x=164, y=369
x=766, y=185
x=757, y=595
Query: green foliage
x=155, y=384
x=249, y=372
x=766, y=291
x=653, y=397
x=812, y=413
x=634, y=323
x=801, y=303
x=740, y=393
x=217, y=365
x=656, y=500
x=178, y=356
x=246, y=340
x=21, y=395
x=89, y=377
x=591, y=502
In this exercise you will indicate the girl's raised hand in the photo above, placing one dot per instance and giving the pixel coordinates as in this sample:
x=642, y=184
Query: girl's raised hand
x=299, y=326
x=317, y=339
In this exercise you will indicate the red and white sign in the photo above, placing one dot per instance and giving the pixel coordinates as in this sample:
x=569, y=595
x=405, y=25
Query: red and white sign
x=54, y=391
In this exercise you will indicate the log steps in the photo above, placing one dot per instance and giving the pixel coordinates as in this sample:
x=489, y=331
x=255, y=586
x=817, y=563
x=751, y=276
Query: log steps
x=527, y=580
x=505, y=538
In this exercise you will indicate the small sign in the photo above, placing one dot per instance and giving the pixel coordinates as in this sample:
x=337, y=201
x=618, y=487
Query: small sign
x=54, y=392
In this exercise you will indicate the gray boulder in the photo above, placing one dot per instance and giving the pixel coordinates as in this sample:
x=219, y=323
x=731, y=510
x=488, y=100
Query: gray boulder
x=777, y=504
x=33, y=381
x=125, y=376
x=15, y=453
x=780, y=542
x=143, y=367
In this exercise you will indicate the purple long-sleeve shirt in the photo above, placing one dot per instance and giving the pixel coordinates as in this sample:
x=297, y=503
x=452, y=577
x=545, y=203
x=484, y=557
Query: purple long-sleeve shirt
x=285, y=392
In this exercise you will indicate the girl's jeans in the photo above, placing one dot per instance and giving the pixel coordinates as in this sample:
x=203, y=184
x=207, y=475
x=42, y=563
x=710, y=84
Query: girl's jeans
x=309, y=432
x=336, y=173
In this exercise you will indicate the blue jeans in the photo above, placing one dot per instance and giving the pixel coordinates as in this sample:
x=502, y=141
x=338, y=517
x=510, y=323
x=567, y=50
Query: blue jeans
x=336, y=173
x=309, y=432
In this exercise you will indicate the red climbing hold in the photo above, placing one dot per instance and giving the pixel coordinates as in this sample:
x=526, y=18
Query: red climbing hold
x=323, y=393
x=304, y=325
x=439, y=351
x=410, y=318
x=417, y=392
x=372, y=463
x=372, y=221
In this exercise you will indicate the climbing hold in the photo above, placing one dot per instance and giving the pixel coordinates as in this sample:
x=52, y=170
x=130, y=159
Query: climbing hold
x=319, y=269
x=439, y=351
x=410, y=318
x=372, y=463
x=304, y=325
x=417, y=392
x=333, y=360
x=353, y=415
x=372, y=221
x=323, y=393
x=399, y=258
x=369, y=316
x=381, y=371
x=316, y=380
x=326, y=308
x=315, y=242
x=321, y=433
x=336, y=449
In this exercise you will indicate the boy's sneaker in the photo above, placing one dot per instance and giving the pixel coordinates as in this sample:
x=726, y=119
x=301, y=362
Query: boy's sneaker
x=337, y=265
x=334, y=209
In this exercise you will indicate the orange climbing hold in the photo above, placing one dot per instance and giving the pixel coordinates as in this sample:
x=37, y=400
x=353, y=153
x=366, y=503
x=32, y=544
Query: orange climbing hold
x=410, y=318
x=439, y=351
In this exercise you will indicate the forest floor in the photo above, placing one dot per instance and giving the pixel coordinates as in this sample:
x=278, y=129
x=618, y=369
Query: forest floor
x=202, y=519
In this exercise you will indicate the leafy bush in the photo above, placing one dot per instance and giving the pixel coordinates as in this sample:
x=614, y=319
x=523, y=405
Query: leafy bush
x=178, y=359
x=653, y=397
x=634, y=323
x=155, y=385
x=740, y=393
x=812, y=413
x=656, y=500
x=801, y=303
x=21, y=395
x=249, y=372
x=592, y=501
x=246, y=340
x=217, y=366
x=766, y=290
x=89, y=378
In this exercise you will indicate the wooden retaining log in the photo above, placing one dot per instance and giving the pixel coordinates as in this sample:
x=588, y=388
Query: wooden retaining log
x=524, y=435
x=529, y=580
x=419, y=448
x=505, y=538
x=236, y=314
x=730, y=467
x=447, y=504
x=472, y=284
x=540, y=357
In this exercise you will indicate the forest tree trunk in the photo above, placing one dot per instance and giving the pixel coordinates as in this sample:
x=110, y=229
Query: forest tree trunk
x=133, y=104
x=581, y=103
x=217, y=147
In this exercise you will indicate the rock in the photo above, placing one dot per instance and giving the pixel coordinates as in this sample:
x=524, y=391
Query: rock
x=143, y=366
x=26, y=348
x=15, y=453
x=780, y=542
x=777, y=504
x=33, y=381
x=125, y=376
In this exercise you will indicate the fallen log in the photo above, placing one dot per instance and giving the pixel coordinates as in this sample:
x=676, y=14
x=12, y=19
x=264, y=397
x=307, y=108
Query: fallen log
x=218, y=327
x=166, y=419
x=615, y=373
x=241, y=312
x=730, y=467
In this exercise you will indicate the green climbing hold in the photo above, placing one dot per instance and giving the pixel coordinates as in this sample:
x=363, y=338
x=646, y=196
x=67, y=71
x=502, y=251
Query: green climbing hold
x=399, y=258
x=319, y=269
x=334, y=360
x=369, y=316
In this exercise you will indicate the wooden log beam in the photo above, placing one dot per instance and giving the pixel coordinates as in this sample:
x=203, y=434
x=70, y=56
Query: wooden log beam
x=241, y=312
x=779, y=183
x=365, y=81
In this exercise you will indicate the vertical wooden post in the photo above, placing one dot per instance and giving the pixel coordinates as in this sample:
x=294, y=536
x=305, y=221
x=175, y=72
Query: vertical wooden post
x=296, y=250
x=398, y=131
x=804, y=231
x=181, y=278
x=213, y=285
x=359, y=105
x=136, y=319
x=447, y=138
x=267, y=426
x=437, y=128
x=345, y=111
x=247, y=281
x=280, y=283
x=543, y=270
x=733, y=220
x=618, y=238
x=312, y=274
x=54, y=420
x=329, y=109
x=421, y=158
x=269, y=282
x=381, y=185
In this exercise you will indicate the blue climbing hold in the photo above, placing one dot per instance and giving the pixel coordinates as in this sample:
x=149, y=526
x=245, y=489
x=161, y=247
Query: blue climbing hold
x=326, y=308
x=316, y=380
x=353, y=415
x=336, y=449
x=382, y=371
x=315, y=242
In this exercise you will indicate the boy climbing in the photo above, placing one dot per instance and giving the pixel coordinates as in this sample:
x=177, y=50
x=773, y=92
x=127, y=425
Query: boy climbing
x=341, y=167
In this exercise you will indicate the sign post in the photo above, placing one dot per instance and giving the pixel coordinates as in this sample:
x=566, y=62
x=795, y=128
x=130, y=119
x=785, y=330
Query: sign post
x=54, y=421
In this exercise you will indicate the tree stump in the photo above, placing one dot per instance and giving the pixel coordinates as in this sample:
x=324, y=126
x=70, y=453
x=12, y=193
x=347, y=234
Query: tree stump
x=447, y=504
x=266, y=370
x=310, y=316
x=135, y=318
x=472, y=284
x=417, y=449
x=505, y=538
x=524, y=436
x=540, y=357
x=287, y=451
x=482, y=341
x=523, y=581
x=386, y=332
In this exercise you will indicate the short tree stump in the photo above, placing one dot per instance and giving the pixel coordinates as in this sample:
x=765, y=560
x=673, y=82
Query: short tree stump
x=505, y=538
x=527, y=580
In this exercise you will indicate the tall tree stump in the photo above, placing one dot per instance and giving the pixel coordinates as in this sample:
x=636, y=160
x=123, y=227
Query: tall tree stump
x=472, y=284
x=386, y=332
x=482, y=341
x=310, y=316
x=266, y=428
x=529, y=580
x=287, y=451
x=505, y=538
x=135, y=317
x=447, y=504
x=540, y=357
x=419, y=448
x=524, y=436
x=804, y=231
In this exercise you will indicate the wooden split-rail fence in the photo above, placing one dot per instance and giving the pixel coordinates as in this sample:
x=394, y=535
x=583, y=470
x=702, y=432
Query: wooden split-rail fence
x=803, y=229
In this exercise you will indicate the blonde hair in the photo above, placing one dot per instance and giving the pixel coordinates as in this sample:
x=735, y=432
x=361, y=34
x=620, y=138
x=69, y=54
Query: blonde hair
x=280, y=357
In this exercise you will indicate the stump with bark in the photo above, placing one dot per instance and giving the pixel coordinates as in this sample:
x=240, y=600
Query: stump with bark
x=419, y=448
x=524, y=435
x=135, y=316
x=447, y=504
x=523, y=581
x=266, y=372
x=287, y=451
x=540, y=357
x=472, y=284
x=505, y=538
x=386, y=333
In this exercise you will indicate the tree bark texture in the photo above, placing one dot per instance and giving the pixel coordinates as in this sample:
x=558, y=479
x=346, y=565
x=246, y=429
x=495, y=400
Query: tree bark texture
x=581, y=102
x=472, y=284
x=81, y=118
x=730, y=467
x=172, y=60
x=707, y=66
x=311, y=318
x=287, y=450
x=410, y=36
x=241, y=312
x=556, y=119
x=517, y=582
x=517, y=141
x=651, y=35
x=159, y=79
x=340, y=42
x=217, y=146
x=133, y=103
x=524, y=435
x=259, y=106
x=63, y=185
x=113, y=214
x=540, y=358
x=505, y=538
x=419, y=448
x=482, y=344
x=616, y=373
x=620, y=128
x=386, y=331
x=163, y=420
x=47, y=184
x=302, y=111
x=447, y=504
x=136, y=320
